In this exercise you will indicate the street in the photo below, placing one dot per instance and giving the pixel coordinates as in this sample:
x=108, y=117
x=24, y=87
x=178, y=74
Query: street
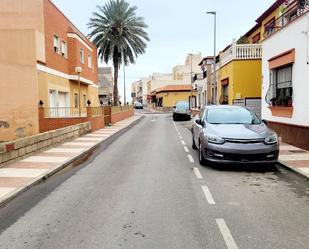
x=146, y=190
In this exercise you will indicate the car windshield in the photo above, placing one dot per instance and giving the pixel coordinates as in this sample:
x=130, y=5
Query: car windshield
x=182, y=105
x=231, y=116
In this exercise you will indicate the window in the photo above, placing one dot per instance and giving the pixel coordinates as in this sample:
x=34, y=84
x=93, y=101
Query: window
x=75, y=100
x=56, y=44
x=84, y=100
x=89, y=61
x=281, y=86
x=270, y=27
x=81, y=56
x=64, y=49
x=256, y=38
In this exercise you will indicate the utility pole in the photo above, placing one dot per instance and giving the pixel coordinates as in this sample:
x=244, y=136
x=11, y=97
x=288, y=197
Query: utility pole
x=124, y=83
x=191, y=97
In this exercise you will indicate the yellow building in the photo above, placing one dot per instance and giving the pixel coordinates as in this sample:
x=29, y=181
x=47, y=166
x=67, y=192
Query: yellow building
x=240, y=67
x=167, y=96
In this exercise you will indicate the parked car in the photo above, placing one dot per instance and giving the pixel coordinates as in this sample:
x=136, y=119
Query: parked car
x=182, y=111
x=138, y=105
x=233, y=135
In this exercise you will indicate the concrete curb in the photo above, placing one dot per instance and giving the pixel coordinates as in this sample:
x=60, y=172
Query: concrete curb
x=7, y=198
x=295, y=170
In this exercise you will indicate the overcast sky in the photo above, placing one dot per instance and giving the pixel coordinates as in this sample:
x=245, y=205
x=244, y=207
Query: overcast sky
x=176, y=28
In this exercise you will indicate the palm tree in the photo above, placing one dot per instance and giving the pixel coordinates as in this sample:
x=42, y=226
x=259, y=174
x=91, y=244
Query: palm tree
x=119, y=35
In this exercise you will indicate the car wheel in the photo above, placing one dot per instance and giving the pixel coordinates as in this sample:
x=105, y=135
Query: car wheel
x=193, y=143
x=201, y=156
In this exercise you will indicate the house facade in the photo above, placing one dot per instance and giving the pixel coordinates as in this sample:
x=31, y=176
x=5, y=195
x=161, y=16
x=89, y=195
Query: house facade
x=106, y=82
x=42, y=50
x=285, y=71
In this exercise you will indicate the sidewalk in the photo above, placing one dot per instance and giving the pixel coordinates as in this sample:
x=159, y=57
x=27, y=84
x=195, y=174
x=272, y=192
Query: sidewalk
x=18, y=176
x=295, y=159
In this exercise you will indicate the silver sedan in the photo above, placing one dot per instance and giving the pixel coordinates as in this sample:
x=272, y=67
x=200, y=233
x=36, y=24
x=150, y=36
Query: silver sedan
x=233, y=135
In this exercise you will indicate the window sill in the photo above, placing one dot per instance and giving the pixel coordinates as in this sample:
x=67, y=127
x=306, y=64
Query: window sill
x=281, y=111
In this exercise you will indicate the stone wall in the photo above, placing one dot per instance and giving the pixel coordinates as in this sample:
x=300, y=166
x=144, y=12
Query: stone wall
x=21, y=148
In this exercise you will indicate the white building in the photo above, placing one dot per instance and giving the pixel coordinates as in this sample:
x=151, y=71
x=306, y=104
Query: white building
x=285, y=68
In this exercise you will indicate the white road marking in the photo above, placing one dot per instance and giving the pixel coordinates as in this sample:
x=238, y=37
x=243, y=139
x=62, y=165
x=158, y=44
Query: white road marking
x=45, y=159
x=11, y=172
x=197, y=173
x=208, y=195
x=227, y=236
x=180, y=137
x=5, y=191
x=186, y=149
x=191, y=158
x=183, y=142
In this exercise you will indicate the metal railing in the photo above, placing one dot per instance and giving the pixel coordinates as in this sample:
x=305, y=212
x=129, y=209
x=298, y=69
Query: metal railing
x=121, y=108
x=64, y=112
x=294, y=10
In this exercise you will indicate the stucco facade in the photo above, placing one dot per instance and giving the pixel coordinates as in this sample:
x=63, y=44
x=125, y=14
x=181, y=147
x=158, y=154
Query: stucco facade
x=42, y=49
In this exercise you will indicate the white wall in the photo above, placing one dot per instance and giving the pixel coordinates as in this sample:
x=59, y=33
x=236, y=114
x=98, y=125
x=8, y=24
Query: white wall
x=291, y=36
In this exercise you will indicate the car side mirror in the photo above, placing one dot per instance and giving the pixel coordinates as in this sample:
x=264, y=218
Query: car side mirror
x=174, y=107
x=199, y=121
x=265, y=121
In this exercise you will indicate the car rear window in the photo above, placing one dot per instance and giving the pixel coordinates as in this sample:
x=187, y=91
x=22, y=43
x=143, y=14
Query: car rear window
x=182, y=106
x=231, y=116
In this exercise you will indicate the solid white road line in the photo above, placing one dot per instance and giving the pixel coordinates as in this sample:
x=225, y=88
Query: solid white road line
x=227, y=236
x=186, y=149
x=191, y=158
x=197, y=173
x=183, y=142
x=208, y=195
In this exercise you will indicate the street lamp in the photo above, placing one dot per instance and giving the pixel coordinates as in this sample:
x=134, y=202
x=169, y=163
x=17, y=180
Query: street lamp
x=214, y=13
x=191, y=97
x=78, y=70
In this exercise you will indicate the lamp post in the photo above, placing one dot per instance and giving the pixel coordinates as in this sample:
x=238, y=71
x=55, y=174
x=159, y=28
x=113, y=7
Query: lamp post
x=214, y=13
x=191, y=97
x=78, y=70
x=124, y=84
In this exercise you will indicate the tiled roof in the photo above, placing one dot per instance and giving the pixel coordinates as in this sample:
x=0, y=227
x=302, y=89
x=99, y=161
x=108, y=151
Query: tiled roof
x=174, y=88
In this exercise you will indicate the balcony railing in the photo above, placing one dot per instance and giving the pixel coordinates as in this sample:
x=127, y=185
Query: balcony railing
x=241, y=52
x=294, y=10
x=64, y=112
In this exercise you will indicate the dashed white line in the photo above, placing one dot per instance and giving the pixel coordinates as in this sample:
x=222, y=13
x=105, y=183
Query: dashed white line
x=186, y=149
x=183, y=142
x=227, y=236
x=191, y=158
x=197, y=173
x=208, y=195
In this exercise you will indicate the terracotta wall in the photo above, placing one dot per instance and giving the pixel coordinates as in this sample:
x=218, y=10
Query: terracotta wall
x=57, y=24
x=116, y=117
x=292, y=134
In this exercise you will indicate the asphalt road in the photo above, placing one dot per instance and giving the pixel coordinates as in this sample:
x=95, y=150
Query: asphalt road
x=146, y=190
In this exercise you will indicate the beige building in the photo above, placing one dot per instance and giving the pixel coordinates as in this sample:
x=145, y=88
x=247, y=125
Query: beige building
x=40, y=50
x=106, y=83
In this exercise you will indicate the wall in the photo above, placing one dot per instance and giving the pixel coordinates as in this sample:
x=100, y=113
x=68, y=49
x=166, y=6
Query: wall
x=273, y=46
x=24, y=147
x=170, y=98
x=18, y=84
x=116, y=117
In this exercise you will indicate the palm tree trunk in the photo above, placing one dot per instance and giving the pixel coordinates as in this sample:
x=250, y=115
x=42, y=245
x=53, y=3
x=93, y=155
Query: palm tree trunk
x=116, y=69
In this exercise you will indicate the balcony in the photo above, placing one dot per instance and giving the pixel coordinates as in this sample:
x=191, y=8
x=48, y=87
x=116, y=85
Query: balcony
x=293, y=11
x=241, y=52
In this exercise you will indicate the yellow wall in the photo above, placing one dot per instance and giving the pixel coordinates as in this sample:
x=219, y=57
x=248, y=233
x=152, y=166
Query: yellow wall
x=244, y=78
x=49, y=81
x=170, y=98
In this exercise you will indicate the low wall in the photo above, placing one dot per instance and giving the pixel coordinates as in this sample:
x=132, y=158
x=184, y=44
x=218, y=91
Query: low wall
x=49, y=124
x=292, y=134
x=119, y=113
x=21, y=148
